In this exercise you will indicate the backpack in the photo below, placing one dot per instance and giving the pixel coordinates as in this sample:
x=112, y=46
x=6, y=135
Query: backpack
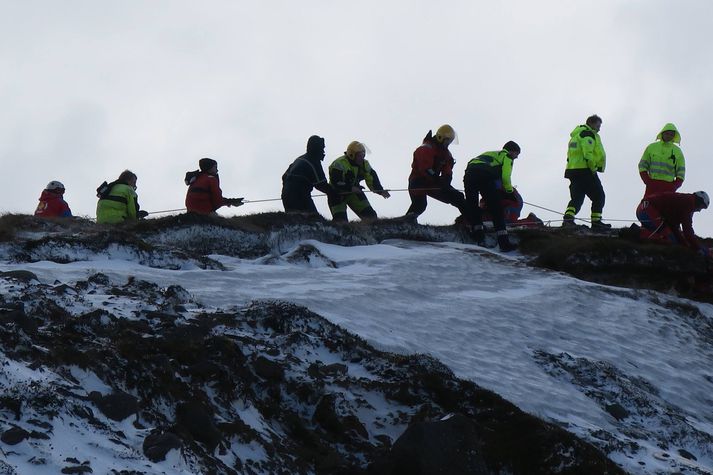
x=104, y=189
x=191, y=177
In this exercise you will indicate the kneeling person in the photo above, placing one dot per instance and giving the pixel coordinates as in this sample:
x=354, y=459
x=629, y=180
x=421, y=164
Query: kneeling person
x=345, y=174
x=668, y=217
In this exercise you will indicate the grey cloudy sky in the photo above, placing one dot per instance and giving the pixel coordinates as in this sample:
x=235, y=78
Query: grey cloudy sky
x=90, y=88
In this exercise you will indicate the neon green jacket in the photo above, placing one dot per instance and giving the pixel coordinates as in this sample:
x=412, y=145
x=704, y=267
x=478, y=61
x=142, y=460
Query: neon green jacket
x=119, y=206
x=501, y=165
x=343, y=175
x=585, y=150
x=664, y=161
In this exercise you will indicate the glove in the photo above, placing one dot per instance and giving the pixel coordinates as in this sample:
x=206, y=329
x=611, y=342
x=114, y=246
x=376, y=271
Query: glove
x=357, y=188
x=509, y=196
x=383, y=193
x=234, y=201
x=142, y=214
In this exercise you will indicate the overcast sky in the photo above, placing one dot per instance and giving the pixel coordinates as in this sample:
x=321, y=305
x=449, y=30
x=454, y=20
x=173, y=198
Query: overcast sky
x=90, y=88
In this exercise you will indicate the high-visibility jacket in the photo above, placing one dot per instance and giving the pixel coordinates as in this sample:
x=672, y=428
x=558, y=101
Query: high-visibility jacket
x=498, y=163
x=662, y=166
x=345, y=174
x=585, y=151
x=52, y=205
x=204, y=195
x=119, y=205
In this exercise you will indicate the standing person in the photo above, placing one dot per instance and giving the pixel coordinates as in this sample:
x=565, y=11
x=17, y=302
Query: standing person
x=662, y=166
x=118, y=201
x=585, y=159
x=668, y=217
x=481, y=178
x=52, y=204
x=304, y=174
x=204, y=195
x=432, y=173
x=345, y=174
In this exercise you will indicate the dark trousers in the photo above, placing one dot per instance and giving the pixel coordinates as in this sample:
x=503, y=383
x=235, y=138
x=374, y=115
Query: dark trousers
x=477, y=183
x=446, y=194
x=581, y=185
x=296, y=197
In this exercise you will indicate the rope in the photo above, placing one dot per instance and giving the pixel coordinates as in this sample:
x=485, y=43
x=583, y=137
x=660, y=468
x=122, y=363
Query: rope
x=399, y=190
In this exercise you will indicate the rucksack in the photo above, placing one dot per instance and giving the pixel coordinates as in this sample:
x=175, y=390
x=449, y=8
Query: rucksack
x=104, y=189
x=191, y=177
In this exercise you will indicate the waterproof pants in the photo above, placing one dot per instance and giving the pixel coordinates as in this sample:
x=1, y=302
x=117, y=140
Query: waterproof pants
x=446, y=194
x=480, y=181
x=357, y=202
x=581, y=185
x=296, y=197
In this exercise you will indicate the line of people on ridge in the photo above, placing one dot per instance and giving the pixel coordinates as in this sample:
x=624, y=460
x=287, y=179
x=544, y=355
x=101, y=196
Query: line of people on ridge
x=665, y=214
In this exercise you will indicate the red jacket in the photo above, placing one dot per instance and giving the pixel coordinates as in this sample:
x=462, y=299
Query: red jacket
x=52, y=205
x=659, y=186
x=204, y=195
x=432, y=156
x=676, y=209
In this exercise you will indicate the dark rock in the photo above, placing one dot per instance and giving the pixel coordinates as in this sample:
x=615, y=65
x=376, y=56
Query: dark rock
x=78, y=469
x=13, y=404
x=268, y=369
x=198, y=421
x=686, y=454
x=448, y=447
x=21, y=275
x=116, y=406
x=14, y=435
x=158, y=444
x=326, y=416
x=617, y=411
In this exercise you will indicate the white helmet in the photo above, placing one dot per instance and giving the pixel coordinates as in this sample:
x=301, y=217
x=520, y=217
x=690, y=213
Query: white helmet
x=54, y=185
x=703, y=197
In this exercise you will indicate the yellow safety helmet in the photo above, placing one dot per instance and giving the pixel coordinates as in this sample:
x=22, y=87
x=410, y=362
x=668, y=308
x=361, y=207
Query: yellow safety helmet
x=446, y=135
x=355, y=148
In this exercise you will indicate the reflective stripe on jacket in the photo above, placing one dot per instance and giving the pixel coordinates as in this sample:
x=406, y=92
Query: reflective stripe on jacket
x=118, y=206
x=343, y=175
x=500, y=163
x=585, y=150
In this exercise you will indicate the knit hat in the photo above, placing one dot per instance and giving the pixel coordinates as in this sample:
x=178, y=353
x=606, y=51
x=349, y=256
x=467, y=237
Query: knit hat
x=206, y=164
x=511, y=146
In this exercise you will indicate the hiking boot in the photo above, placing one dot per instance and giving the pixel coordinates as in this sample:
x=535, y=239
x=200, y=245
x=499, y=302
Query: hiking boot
x=505, y=244
x=477, y=235
x=568, y=222
x=599, y=226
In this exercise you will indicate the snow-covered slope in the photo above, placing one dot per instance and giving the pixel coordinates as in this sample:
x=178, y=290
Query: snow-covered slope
x=627, y=370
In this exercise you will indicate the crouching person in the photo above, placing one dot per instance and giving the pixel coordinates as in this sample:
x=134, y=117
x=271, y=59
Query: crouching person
x=481, y=178
x=345, y=175
x=52, y=204
x=118, y=201
x=204, y=195
x=668, y=218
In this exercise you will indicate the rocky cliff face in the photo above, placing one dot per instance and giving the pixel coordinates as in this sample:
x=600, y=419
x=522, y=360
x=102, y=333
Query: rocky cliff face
x=100, y=376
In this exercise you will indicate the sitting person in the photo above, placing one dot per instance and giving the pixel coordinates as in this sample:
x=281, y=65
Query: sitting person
x=52, y=204
x=204, y=195
x=668, y=218
x=118, y=201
